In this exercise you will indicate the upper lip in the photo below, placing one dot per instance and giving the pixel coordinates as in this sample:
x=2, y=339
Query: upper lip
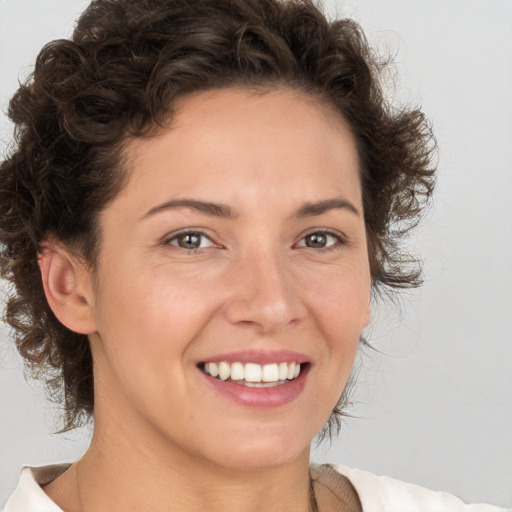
x=258, y=357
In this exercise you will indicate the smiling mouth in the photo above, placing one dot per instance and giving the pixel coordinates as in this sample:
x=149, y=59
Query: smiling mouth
x=252, y=374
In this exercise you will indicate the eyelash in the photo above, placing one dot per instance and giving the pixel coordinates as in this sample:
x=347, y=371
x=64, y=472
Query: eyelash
x=194, y=232
x=339, y=237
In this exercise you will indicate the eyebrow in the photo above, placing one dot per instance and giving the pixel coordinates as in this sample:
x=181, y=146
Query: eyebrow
x=223, y=210
x=312, y=209
x=213, y=209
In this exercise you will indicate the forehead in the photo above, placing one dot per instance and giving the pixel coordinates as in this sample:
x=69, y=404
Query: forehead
x=248, y=108
x=264, y=108
x=241, y=137
x=238, y=96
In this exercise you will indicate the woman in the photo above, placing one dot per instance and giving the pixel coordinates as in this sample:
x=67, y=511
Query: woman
x=198, y=209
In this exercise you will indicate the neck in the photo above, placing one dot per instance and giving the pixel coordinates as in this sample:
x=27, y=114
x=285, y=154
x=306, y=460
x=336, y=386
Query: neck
x=123, y=471
x=117, y=482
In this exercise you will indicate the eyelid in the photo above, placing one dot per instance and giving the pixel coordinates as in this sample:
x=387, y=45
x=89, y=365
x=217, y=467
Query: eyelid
x=167, y=239
x=340, y=237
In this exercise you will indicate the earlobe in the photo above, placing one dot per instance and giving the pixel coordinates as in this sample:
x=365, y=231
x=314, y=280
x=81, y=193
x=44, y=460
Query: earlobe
x=67, y=286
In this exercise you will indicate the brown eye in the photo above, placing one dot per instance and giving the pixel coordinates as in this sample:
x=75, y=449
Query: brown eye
x=190, y=240
x=321, y=240
x=316, y=240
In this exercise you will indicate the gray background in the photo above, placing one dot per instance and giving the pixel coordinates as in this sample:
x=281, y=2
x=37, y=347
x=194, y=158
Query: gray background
x=434, y=406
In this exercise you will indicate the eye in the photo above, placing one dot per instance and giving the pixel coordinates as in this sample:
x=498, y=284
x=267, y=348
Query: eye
x=190, y=240
x=322, y=240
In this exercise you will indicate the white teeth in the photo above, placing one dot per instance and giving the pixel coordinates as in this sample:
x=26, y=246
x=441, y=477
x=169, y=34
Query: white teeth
x=270, y=373
x=283, y=371
x=262, y=384
x=214, y=369
x=252, y=374
x=237, y=371
x=224, y=371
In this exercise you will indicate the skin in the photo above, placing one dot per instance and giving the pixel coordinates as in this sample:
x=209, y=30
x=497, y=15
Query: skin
x=153, y=309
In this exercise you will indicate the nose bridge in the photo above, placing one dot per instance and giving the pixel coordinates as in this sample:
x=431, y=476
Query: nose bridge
x=264, y=292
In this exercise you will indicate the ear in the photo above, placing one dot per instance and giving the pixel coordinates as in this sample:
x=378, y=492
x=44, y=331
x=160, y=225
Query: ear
x=67, y=283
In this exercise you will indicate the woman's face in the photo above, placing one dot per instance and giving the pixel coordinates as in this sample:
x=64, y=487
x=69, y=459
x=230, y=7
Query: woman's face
x=238, y=246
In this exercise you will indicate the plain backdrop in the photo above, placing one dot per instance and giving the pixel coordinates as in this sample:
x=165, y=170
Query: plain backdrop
x=433, y=403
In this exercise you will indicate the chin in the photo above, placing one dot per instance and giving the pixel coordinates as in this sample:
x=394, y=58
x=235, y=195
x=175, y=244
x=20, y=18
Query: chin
x=262, y=449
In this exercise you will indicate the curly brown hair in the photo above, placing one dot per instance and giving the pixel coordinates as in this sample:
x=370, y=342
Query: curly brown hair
x=118, y=78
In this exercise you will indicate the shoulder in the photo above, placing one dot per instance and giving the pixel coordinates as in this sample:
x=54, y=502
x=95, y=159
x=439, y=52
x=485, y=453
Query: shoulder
x=29, y=496
x=382, y=494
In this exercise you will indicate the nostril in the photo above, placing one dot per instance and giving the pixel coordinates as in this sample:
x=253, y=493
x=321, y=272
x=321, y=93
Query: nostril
x=265, y=313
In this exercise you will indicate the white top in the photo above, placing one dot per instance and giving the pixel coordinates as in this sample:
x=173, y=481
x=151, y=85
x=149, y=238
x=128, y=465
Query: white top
x=377, y=493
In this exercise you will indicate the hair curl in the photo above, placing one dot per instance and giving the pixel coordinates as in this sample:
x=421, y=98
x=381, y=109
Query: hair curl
x=118, y=78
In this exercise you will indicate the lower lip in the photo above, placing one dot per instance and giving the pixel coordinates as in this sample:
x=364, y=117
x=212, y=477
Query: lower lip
x=275, y=396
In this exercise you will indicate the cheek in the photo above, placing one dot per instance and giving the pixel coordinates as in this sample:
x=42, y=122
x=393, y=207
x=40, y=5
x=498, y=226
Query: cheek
x=340, y=302
x=145, y=330
x=151, y=318
x=341, y=297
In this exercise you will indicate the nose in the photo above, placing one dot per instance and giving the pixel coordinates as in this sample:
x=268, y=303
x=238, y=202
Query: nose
x=264, y=295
